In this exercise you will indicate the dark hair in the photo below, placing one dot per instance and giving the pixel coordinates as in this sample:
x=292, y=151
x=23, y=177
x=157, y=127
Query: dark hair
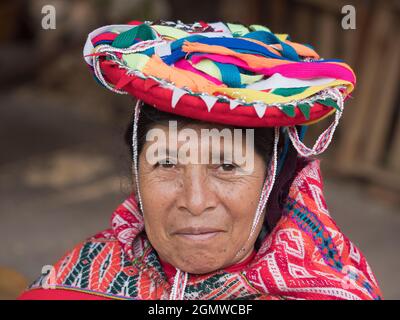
x=263, y=144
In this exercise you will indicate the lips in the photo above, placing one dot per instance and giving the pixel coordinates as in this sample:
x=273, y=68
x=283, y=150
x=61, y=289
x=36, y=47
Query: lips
x=198, y=233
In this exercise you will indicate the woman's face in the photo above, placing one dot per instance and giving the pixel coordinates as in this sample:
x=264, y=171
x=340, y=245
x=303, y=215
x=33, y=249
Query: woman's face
x=198, y=214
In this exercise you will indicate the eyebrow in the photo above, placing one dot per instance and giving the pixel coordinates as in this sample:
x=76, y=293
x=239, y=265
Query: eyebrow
x=220, y=157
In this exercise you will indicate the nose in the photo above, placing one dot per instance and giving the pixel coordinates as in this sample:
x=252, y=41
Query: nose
x=197, y=194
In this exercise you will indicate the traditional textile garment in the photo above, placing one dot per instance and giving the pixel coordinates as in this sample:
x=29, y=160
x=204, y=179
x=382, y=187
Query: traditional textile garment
x=305, y=257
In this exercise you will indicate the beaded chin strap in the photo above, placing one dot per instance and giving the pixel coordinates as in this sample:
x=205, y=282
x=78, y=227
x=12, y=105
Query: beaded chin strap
x=266, y=190
x=138, y=106
x=181, y=277
x=325, y=137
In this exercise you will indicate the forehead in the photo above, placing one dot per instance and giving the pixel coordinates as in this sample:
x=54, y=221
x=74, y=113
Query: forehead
x=196, y=125
x=201, y=133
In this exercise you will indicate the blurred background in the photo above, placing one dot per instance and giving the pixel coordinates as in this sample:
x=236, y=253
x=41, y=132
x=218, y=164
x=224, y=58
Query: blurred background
x=64, y=167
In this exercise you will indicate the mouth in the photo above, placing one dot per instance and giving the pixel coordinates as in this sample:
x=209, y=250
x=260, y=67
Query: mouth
x=198, y=234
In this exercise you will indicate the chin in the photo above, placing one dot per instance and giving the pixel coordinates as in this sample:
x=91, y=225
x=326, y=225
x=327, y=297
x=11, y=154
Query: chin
x=199, y=269
x=200, y=263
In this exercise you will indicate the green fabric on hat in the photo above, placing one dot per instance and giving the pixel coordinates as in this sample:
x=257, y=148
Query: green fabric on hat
x=127, y=38
x=329, y=103
x=257, y=27
x=135, y=61
x=286, y=92
x=170, y=32
x=237, y=30
x=305, y=109
x=288, y=110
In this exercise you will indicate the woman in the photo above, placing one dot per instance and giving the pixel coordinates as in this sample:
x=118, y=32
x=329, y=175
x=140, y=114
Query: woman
x=222, y=207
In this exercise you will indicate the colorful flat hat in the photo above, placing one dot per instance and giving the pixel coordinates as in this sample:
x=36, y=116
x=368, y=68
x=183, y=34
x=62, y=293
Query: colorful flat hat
x=222, y=72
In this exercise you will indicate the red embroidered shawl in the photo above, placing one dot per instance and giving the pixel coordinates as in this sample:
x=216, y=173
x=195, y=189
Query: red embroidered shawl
x=306, y=256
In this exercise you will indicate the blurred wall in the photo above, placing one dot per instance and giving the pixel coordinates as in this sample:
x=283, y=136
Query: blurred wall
x=64, y=166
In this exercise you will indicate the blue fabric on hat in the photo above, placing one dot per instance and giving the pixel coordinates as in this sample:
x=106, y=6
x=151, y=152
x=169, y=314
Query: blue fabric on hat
x=230, y=75
x=239, y=45
x=269, y=38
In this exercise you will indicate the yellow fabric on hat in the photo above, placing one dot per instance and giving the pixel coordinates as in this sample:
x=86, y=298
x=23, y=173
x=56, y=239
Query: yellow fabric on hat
x=135, y=61
x=210, y=68
x=250, y=95
x=170, y=32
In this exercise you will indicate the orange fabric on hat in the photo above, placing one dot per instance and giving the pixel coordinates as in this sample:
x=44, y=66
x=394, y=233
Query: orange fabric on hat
x=267, y=46
x=182, y=78
x=303, y=50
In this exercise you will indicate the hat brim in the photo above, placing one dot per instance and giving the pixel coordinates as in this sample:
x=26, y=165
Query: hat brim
x=194, y=106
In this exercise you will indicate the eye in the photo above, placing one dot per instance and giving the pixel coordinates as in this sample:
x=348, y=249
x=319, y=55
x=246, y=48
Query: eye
x=166, y=163
x=227, y=167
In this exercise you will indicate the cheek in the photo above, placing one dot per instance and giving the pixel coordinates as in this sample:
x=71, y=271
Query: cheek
x=158, y=200
x=241, y=200
x=158, y=191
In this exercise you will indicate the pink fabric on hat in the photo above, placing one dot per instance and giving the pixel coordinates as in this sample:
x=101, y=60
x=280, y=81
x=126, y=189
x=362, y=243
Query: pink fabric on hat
x=307, y=70
x=185, y=65
x=300, y=70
